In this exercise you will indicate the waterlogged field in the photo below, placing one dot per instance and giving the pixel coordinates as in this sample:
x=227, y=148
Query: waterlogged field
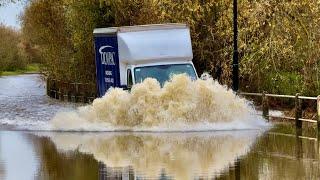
x=186, y=130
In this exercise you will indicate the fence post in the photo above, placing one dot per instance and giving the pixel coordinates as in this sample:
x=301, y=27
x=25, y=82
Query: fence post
x=265, y=106
x=318, y=116
x=298, y=112
x=237, y=170
x=65, y=97
x=77, y=87
x=60, y=93
x=318, y=125
x=48, y=87
x=77, y=98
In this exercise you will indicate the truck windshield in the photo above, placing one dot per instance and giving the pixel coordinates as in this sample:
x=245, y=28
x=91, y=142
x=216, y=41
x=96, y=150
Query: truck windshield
x=163, y=72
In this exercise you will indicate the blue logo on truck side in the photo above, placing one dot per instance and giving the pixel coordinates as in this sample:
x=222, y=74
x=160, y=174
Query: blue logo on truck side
x=107, y=62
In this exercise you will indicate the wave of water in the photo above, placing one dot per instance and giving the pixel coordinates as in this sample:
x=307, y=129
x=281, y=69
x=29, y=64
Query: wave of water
x=180, y=105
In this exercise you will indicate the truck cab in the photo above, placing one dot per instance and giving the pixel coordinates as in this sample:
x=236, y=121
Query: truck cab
x=127, y=55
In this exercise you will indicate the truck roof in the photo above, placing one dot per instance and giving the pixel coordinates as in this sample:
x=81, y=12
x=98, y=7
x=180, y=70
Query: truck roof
x=111, y=30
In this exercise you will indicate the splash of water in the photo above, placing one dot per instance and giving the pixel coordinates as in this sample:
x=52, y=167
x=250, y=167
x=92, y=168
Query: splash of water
x=180, y=105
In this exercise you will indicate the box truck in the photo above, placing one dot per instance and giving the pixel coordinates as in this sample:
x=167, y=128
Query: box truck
x=127, y=55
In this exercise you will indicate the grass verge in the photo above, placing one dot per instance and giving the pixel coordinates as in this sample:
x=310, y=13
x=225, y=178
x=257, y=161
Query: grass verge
x=31, y=68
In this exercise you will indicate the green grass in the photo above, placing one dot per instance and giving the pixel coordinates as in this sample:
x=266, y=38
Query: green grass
x=283, y=83
x=31, y=68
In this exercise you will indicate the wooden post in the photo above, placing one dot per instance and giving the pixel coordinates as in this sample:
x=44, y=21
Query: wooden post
x=265, y=106
x=69, y=96
x=77, y=88
x=48, y=87
x=318, y=125
x=298, y=112
x=65, y=97
x=73, y=98
x=318, y=117
x=76, y=96
x=237, y=170
x=60, y=94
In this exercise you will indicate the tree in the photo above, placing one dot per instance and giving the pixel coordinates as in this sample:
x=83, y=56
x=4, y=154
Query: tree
x=278, y=40
x=11, y=57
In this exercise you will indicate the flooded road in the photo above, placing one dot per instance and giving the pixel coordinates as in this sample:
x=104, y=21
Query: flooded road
x=23, y=101
x=243, y=154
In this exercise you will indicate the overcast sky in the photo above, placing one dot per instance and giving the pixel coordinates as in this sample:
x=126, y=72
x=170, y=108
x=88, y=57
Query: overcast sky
x=9, y=14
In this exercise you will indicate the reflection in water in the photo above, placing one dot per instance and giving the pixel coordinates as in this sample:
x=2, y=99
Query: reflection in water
x=176, y=155
x=122, y=173
x=2, y=170
x=57, y=165
x=284, y=166
x=220, y=155
x=17, y=155
x=282, y=156
x=299, y=152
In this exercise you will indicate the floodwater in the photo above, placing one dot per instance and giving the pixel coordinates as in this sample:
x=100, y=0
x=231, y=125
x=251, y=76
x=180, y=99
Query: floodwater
x=275, y=153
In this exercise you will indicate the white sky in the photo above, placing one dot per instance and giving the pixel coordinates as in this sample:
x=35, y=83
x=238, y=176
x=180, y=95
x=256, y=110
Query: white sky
x=9, y=14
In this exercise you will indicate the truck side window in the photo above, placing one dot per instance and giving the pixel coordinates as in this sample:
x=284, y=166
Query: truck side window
x=129, y=79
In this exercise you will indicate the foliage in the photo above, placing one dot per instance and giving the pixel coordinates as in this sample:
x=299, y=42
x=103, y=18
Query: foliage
x=11, y=52
x=44, y=24
x=278, y=40
x=279, y=44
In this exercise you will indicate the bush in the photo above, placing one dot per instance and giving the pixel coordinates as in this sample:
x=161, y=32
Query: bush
x=278, y=40
x=11, y=57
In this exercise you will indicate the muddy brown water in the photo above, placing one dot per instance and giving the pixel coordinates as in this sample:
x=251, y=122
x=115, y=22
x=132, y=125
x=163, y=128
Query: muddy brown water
x=242, y=154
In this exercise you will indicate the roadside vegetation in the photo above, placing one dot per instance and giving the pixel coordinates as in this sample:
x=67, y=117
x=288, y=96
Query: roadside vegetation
x=16, y=56
x=29, y=69
x=279, y=41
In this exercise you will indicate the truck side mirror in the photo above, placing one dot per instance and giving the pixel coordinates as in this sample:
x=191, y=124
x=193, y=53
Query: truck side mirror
x=129, y=79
